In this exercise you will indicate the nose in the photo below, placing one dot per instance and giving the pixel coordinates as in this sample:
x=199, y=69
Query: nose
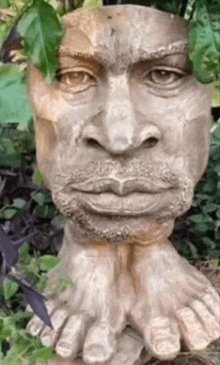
x=121, y=141
x=117, y=128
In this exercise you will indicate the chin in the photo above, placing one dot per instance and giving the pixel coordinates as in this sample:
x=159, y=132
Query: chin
x=121, y=230
x=121, y=220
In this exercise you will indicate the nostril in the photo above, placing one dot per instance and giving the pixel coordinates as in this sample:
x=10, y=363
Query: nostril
x=92, y=143
x=150, y=142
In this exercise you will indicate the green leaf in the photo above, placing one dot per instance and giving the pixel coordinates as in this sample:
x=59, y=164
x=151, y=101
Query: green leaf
x=201, y=228
x=5, y=333
x=13, y=161
x=22, y=345
x=40, y=197
x=208, y=242
x=10, y=288
x=14, y=103
x=204, y=40
x=32, y=267
x=197, y=218
x=67, y=281
x=216, y=132
x=92, y=3
x=9, y=213
x=4, y=4
x=11, y=359
x=48, y=262
x=43, y=354
x=210, y=208
x=24, y=256
x=64, y=283
x=42, y=283
x=38, y=177
x=44, y=211
x=216, y=96
x=42, y=32
x=18, y=316
x=19, y=203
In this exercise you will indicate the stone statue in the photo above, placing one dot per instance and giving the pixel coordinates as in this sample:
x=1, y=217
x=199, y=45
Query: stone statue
x=122, y=138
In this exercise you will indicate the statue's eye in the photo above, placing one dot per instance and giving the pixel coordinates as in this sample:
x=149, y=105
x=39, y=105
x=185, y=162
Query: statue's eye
x=76, y=78
x=163, y=77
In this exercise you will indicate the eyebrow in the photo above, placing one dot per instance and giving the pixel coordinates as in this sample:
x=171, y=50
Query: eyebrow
x=141, y=54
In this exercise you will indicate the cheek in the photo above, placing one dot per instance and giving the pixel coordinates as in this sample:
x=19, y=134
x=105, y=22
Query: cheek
x=196, y=145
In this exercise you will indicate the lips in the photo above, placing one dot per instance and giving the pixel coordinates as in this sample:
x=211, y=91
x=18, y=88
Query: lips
x=122, y=187
x=130, y=197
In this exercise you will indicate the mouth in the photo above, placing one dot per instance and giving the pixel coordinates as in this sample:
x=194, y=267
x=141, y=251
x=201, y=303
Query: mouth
x=133, y=197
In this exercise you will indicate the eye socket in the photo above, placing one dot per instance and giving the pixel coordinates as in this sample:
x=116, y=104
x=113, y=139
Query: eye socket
x=76, y=78
x=163, y=77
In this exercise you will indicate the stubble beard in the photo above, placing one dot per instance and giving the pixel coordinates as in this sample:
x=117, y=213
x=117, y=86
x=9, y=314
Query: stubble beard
x=113, y=228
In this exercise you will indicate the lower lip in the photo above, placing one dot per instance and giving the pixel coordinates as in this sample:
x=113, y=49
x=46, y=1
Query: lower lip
x=130, y=205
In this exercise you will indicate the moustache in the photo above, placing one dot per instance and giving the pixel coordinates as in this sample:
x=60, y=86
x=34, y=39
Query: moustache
x=122, y=179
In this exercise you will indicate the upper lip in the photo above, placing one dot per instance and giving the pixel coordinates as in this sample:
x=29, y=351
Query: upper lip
x=121, y=187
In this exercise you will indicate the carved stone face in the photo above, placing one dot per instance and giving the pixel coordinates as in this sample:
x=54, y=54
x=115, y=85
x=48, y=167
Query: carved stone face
x=122, y=135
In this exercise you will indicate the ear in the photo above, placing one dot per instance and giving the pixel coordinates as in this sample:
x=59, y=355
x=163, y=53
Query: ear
x=41, y=94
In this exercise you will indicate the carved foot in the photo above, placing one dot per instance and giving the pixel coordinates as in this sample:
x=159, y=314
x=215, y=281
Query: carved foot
x=68, y=338
x=74, y=333
x=87, y=318
x=174, y=302
x=130, y=352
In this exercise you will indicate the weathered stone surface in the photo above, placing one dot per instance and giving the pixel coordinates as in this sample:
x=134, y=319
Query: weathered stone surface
x=122, y=138
x=130, y=349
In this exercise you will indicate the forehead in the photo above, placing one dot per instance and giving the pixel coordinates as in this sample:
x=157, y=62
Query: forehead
x=123, y=34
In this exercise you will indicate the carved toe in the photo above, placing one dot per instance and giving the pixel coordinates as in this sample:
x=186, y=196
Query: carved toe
x=207, y=318
x=100, y=344
x=49, y=336
x=36, y=325
x=193, y=332
x=70, y=341
x=162, y=338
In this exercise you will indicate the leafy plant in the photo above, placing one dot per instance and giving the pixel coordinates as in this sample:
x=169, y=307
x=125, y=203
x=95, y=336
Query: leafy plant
x=13, y=99
x=15, y=145
x=205, y=40
x=9, y=257
x=36, y=26
x=24, y=347
x=198, y=231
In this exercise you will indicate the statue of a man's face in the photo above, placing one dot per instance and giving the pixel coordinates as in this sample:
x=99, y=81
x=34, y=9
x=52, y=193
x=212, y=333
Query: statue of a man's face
x=122, y=135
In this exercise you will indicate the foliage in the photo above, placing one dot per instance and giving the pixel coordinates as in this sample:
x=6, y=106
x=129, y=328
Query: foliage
x=14, y=106
x=205, y=40
x=35, y=27
x=23, y=346
x=13, y=319
x=200, y=225
x=15, y=145
x=23, y=280
x=12, y=279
